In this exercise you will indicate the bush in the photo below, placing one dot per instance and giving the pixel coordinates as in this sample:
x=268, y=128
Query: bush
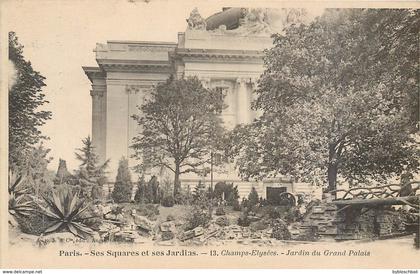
x=280, y=230
x=34, y=224
x=220, y=211
x=196, y=217
x=122, y=192
x=253, y=198
x=148, y=210
x=260, y=225
x=97, y=192
x=243, y=220
x=184, y=197
x=229, y=191
x=168, y=201
x=236, y=206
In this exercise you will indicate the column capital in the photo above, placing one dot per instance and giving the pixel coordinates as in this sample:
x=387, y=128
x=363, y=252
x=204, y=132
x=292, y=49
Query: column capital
x=97, y=93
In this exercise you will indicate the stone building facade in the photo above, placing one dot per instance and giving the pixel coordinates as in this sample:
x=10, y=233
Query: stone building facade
x=224, y=51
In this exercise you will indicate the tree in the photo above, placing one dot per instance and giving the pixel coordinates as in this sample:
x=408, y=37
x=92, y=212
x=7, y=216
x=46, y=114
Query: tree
x=123, y=186
x=337, y=97
x=25, y=99
x=90, y=171
x=123, y=173
x=34, y=168
x=180, y=125
x=253, y=198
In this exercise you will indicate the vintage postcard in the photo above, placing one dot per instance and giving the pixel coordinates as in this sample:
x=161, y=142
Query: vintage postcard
x=210, y=134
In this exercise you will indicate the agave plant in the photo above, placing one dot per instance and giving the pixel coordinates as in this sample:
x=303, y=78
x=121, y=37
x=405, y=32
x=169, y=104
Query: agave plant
x=20, y=204
x=65, y=210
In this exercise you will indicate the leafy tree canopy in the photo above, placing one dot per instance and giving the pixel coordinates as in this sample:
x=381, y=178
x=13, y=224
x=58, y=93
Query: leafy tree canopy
x=25, y=99
x=339, y=98
x=180, y=124
x=90, y=170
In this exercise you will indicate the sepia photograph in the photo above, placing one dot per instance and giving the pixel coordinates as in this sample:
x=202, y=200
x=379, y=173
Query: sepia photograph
x=194, y=134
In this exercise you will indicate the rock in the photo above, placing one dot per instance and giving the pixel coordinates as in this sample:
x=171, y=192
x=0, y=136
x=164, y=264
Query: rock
x=143, y=223
x=167, y=235
x=126, y=236
x=198, y=231
x=167, y=226
x=222, y=221
x=186, y=235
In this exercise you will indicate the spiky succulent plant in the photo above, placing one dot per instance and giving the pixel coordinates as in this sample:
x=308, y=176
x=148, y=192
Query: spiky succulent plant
x=66, y=212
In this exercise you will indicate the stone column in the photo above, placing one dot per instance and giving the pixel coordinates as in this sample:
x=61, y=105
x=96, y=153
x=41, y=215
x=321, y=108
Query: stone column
x=243, y=102
x=97, y=94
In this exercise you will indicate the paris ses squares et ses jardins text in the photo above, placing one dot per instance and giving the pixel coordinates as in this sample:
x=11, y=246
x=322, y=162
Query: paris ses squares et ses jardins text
x=222, y=253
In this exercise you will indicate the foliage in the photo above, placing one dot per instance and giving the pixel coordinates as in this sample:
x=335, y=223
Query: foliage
x=259, y=225
x=253, y=198
x=148, y=192
x=35, y=223
x=236, y=206
x=168, y=201
x=25, y=99
x=123, y=173
x=243, y=219
x=66, y=212
x=229, y=192
x=200, y=196
x=122, y=192
x=20, y=204
x=38, y=179
x=220, y=211
x=90, y=171
x=149, y=210
x=123, y=186
x=280, y=230
x=196, y=217
x=180, y=125
x=338, y=97
x=63, y=176
x=184, y=197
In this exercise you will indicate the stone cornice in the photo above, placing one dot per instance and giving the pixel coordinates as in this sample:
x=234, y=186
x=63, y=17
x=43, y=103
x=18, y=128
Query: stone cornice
x=94, y=73
x=219, y=55
x=135, y=66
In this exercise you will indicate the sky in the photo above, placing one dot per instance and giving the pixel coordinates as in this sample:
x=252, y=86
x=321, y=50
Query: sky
x=59, y=37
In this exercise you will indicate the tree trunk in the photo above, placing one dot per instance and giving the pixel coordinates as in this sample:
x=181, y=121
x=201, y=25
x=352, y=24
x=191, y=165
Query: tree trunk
x=177, y=182
x=332, y=170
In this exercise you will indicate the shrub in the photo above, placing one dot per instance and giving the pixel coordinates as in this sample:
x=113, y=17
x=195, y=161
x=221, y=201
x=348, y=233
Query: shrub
x=196, y=217
x=220, y=211
x=168, y=201
x=97, y=192
x=122, y=192
x=236, y=206
x=20, y=203
x=34, y=224
x=260, y=225
x=148, y=210
x=230, y=192
x=243, y=220
x=280, y=230
x=141, y=195
x=253, y=198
